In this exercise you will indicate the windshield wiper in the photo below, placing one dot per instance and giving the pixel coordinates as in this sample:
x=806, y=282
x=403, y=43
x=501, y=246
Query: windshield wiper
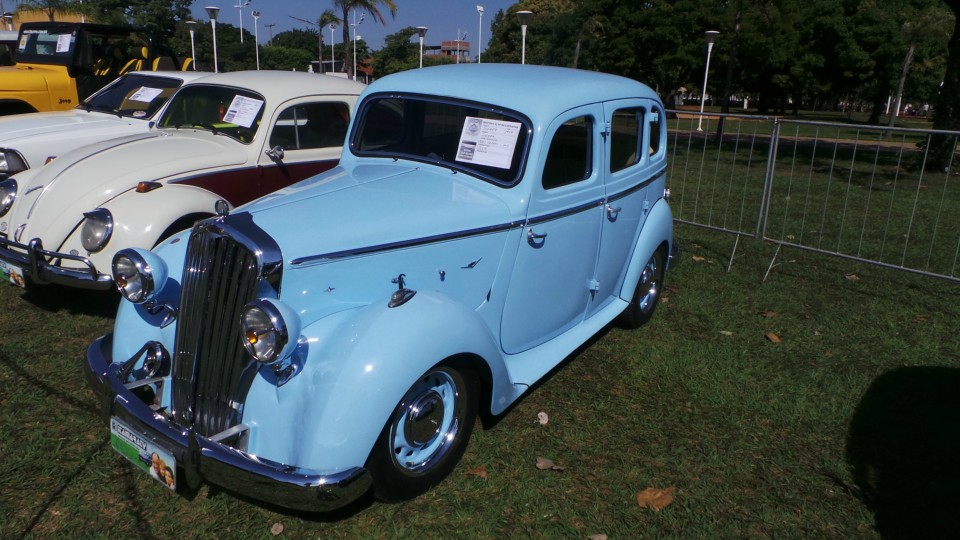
x=109, y=109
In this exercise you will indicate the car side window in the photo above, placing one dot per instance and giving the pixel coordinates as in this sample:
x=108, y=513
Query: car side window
x=570, y=158
x=626, y=138
x=311, y=125
x=655, y=125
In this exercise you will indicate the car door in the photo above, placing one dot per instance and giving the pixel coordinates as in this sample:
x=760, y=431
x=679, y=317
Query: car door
x=634, y=157
x=305, y=139
x=552, y=278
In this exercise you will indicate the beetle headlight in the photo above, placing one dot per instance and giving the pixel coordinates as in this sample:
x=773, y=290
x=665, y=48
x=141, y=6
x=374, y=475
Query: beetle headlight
x=138, y=274
x=8, y=192
x=96, y=229
x=267, y=329
x=11, y=162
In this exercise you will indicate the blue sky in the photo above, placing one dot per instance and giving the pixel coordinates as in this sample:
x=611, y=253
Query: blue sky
x=442, y=18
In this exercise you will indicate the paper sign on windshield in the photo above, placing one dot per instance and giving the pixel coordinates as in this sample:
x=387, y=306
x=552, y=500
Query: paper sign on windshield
x=243, y=111
x=63, y=43
x=488, y=142
x=145, y=94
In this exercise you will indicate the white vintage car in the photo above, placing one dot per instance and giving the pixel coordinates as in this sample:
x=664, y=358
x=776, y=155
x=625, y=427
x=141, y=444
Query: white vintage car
x=125, y=106
x=222, y=141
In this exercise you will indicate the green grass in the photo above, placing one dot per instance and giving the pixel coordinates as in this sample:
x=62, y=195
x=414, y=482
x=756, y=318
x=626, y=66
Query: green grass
x=849, y=427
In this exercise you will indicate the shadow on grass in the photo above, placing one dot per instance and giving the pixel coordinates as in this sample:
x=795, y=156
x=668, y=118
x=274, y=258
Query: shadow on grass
x=57, y=395
x=904, y=452
x=56, y=299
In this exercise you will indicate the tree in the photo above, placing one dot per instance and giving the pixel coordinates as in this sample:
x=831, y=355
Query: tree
x=160, y=17
x=50, y=7
x=370, y=6
x=947, y=112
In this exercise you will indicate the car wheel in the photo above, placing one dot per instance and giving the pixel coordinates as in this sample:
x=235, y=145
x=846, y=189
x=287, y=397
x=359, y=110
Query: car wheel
x=647, y=295
x=426, y=434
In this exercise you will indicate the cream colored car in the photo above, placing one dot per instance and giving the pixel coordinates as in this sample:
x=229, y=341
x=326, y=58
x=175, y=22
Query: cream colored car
x=221, y=142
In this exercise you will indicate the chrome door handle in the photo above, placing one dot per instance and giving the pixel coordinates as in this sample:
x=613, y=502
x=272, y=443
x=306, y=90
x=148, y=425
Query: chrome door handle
x=533, y=237
x=613, y=211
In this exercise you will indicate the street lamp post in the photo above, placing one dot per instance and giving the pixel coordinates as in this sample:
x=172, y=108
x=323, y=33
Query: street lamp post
x=480, y=32
x=711, y=36
x=240, y=6
x=193, y=46
x=269, y=27
x=212, y=12
x=256, y=36
x=355, y=23
x=7, y=18
x=524, y=17
x=333, y=61
x=421, y=31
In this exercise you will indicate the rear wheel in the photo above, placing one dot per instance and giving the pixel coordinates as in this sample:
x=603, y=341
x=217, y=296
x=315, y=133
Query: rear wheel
x=645, y=298
x=426, y=435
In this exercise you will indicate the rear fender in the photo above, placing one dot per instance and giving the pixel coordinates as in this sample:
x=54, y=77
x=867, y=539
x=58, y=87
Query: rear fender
x=657, y=230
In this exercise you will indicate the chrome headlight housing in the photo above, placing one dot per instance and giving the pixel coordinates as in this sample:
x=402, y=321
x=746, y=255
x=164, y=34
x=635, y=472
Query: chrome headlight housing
x=11, y=162
x=269, y=330
x=96, y=229
x=8, y=193
x=138, y=274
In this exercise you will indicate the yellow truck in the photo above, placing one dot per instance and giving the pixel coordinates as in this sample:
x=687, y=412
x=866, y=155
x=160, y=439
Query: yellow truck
x=58, y=64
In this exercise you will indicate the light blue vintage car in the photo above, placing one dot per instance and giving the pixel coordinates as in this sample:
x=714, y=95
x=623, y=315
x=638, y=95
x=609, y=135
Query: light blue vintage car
x=343, y=333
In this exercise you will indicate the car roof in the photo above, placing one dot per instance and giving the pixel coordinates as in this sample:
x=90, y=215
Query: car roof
x=185, y=76
x=284, y=85
x=540, y=92
x=6, y=35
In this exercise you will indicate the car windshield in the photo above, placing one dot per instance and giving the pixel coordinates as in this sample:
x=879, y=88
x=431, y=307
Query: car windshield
x=478, y=139
x=53, y=45
x=134, y=96
x=233, y=112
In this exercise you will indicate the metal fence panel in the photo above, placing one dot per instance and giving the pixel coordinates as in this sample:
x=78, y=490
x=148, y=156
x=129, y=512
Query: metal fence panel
x=866, y=193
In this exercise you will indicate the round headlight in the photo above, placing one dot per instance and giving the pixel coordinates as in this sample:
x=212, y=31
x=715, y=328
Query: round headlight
x=8, y=192
x=11, y=162
x=138, y=274
x=267, y=328
x=96, y=229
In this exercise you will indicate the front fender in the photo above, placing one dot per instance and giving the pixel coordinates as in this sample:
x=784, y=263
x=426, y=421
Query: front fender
x=141, y=218
x=356, y=367
x=657, y=229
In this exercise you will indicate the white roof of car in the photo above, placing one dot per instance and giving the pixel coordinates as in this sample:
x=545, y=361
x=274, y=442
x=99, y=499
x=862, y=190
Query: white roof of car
x=6, y=35
x=284, y=85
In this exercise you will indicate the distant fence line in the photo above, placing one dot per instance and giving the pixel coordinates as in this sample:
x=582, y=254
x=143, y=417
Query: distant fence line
x=853, y=191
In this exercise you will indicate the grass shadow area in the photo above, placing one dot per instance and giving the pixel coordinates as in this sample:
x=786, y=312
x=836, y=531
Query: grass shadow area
x=59, y=299
x=903, y=446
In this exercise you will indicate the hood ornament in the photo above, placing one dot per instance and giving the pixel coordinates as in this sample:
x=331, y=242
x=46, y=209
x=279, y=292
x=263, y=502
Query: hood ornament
x=402, y=295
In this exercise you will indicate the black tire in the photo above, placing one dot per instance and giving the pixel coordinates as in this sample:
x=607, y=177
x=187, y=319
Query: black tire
x=647, y=295
x=415, y=453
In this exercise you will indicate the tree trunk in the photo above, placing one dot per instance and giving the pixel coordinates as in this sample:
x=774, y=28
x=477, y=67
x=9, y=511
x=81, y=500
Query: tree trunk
x=947, y=114
x=907, y=60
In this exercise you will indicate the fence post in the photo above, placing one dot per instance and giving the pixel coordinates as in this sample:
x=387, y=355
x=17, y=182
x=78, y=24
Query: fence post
x=761, y=230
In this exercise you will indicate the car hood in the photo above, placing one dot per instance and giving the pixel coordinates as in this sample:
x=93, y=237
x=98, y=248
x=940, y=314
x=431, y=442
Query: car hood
x=371, y=205
x=22, y=78
x=17, y=129
x=54, y=197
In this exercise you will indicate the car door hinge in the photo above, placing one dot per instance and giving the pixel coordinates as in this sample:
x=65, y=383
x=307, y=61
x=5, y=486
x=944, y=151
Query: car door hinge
x=593, y=286
x=606, y=130
x=646, y=206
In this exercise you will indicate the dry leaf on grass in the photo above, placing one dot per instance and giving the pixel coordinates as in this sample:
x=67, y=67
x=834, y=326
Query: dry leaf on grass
x=852, y=277
x=276, y=528
x=772, y=337
x=697, y=258
x=920, y=318
x=545, y=464
x=655, y=499
x=542, y=418
x=726, y=333
x=479, y=472
x=768, y=314
x=597, y=537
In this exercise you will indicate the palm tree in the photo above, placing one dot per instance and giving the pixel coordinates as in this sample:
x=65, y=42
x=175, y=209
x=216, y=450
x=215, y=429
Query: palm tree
x=328, y=17
x=51, y=7
x=370, y=6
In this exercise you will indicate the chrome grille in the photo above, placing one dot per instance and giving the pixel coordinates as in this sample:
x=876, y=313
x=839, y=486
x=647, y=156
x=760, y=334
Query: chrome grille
x=211, y=369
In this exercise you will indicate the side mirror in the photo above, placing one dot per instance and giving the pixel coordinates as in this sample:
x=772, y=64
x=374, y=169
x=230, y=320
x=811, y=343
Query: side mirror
x=275, y=153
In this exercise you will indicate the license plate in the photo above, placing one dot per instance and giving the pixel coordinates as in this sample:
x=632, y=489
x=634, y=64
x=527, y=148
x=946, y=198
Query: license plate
x=11, y=273
x=151, y=459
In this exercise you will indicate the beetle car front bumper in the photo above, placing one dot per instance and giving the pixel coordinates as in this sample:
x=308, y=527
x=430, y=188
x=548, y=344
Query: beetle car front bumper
x=35, y=263
x=201, y=459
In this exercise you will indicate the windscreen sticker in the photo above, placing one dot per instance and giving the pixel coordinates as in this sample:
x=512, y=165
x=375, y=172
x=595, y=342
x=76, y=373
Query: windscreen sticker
x=23, y=42
x=145, y=94
x=488, y=142
x=243, y=111
x=63, y=43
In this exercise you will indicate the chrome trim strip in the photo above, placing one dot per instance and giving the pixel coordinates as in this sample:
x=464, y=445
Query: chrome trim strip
x=369, y=250
x=205, y=460
x=638, y=187
x=345, y=254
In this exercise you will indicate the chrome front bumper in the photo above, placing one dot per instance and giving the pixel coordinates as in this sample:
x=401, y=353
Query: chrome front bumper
x=201, y=459
x=33, y=260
